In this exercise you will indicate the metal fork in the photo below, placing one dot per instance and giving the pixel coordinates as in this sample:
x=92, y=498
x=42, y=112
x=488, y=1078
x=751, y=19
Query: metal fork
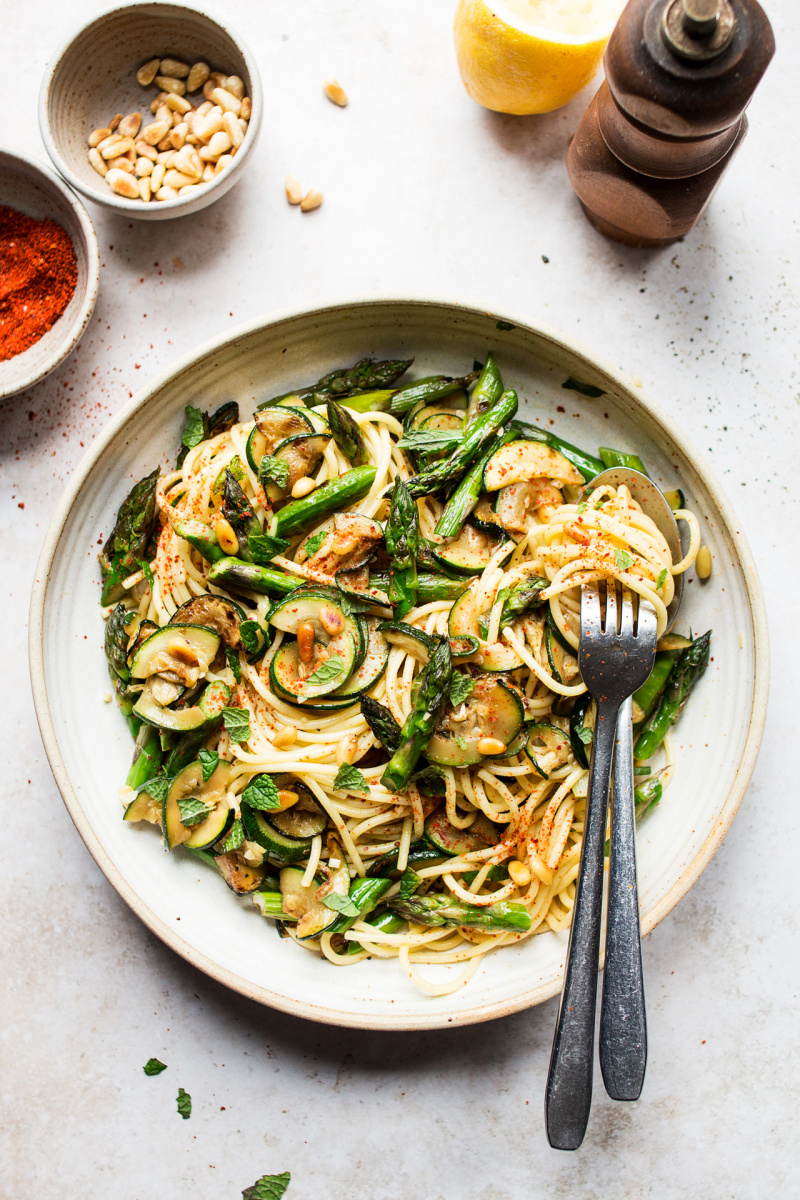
x=615, y=659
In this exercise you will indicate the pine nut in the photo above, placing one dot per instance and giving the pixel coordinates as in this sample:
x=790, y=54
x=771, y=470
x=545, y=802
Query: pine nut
x=520, y=873
x=168, y=84
x=152, y=134
x=188, y=163
x=285, y=737
x=303, y=487
x=287, y=798
x=226, y=536
x=187, y=189
x=294, y=193
x=247, y=108
x=305, y=641
x=164, y=113
x=157, y=178
x=490, y=745
x=144, y=189
x=178, y=136
x=207, y=155
x=208, y=173
x=226, y=101
x=177, y=103
x=205, y=127
x=174, y=68
x=156, y=103
x=702, y=563
x=218, y=78
x=176, y=179
x=220, y=143
x=235, y=86
x=197, y=76
x=335, y=92
x=121, y=164
x=123, y=184
x=98, y=162
x=98, y=136
x=165, y=143
x=114, y=146
x=223, y=163
x=310, y=201
x=114, y=122
x=146, y=74
x=204, y=108
x=143, y=168
x=166, y=193
x=231, y=126
x=331, y=620
x=208, y=88
x=129, y=126
x=144, y=150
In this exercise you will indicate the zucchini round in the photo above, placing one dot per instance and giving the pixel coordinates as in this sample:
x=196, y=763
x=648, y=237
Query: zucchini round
x=213, y=612
x=176, y=720
x=414, y=641
x=302, y=453
x=189, y=784
x=469, y=553
x=463, y=621
x=144, y=808
x=173, y=647
x=547, y=747
x=313, y=917
x=274, y=425
x=484, y=517
x=521, y=461
x=494, y=709
x=241, y=877
x=451, y=841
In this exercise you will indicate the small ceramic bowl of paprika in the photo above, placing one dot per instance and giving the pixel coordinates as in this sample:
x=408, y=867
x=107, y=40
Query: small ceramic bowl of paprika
x=49, y=271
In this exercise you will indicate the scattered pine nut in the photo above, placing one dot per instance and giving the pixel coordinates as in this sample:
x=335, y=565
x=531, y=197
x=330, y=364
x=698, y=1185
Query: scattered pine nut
x=157, y=178
x=114, y=122
x=303, y=487
x=226, y=536
x=247, y=108
x=178, y=104
x=144, y=150
x=490, y=745
x=129, y=126
x=168, y=84
x=335, y=92
x=145, y=188
x=114, y=146
x=294, y=193
x=285, y=737
x=703, y=563
x=223, y=163
x=520, y=873
x=220, y=143
x=121, y=164
x=226, y=101
x=178, y=135
x=197, y=76
x=310, y=201
x=146, y=74
x=143, y=167
x=98, y=136
x=235, y=86
x=166, y=193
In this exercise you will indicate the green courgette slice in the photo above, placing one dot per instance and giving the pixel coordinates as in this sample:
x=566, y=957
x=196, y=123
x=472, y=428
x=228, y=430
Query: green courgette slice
x=547, y=747
x=521, y=461
x=440, y=834
x=174, y=648
x=176, y=720
x=469, y=553
x=463, y=622
x=241, y=876
x=494, y=709
x=272, y=426
x=213, y=792
x=213, y=612
x=313, y=917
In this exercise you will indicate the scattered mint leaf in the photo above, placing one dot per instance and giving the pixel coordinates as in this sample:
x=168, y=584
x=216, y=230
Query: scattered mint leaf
x=264, y=546
x=233, y=662
x=184, y=1101
x=273, y=470
x=192, y=811
x=584, y=734
x=250, y=631
x=156, y=787
x=428, y=441
x=350, y=779
x=327, y=671
x=585, y=389
x=268, y=1187
x=341, y=904
x=483, y=625
x=234, y=839
x=582, y=507
x=237, y=723
x=262, y=793
x=460, y=742
x=409, y=883
x=210, y=761
x=311, y=545
x=624, y=560
x=460, y=688
x=662, y=579
x=237, y=471
x=193, y=428
x=154, y=1067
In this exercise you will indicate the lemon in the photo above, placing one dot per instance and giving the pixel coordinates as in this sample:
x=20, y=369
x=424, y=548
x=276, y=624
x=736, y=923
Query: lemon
x=530, y=56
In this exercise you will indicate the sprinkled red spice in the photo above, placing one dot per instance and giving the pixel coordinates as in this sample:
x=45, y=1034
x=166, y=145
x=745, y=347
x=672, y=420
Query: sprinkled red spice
x=38, y=273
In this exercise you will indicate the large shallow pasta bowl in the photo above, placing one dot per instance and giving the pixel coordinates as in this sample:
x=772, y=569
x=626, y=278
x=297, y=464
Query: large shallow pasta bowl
x=89, y=747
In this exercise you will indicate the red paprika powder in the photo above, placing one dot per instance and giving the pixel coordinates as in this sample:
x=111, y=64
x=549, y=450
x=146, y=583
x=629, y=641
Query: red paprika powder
x=38, y=273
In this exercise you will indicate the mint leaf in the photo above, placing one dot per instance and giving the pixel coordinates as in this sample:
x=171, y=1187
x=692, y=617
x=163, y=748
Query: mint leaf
x=268, y=1187
x=154, y=1067
x=582, y=507
x=661, y=580
x=251, y=632
x=428, y=441
x=584, y=734
x=409, y=883
x=624, y=560
x=184, y=1101
x=237, y=723
x=192, y=811
x=460, y=688
x=210, y=761
x=264, y=547
x=341, y=904
x=262, y=793
x=273, y=470
x=194, y=429
x=156, y=787
x=350, y=779
x=311, y=545
x=234, y=839
x=237, y=471
x=233, y=662
x=483, y=624
x=327, y=671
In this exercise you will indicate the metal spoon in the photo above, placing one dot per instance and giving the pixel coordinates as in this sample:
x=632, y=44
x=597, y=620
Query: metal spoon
x=623, y=1025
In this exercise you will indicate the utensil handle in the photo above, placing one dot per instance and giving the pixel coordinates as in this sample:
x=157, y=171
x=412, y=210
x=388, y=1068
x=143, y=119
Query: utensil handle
x=569, y=1082
x=623, y=1025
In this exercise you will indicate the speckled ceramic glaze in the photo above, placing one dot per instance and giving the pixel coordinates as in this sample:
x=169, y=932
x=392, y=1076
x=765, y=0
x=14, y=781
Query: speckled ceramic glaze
x=35, y=190
x=89, y=746
x=93, y=76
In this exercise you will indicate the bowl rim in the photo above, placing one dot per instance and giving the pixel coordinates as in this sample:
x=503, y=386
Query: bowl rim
x=120, y=204
x=84, y=313
x=321, y=1013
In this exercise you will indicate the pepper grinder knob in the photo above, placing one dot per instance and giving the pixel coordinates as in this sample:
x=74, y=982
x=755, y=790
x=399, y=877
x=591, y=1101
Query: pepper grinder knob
x=698, y=30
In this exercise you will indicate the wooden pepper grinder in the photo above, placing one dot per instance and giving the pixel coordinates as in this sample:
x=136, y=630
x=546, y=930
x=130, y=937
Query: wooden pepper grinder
x=657, y=137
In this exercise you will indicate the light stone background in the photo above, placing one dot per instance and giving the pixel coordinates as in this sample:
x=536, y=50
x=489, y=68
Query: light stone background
x=424, y=192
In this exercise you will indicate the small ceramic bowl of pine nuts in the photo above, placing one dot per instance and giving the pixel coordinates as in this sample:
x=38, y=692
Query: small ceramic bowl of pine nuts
x=151, y=110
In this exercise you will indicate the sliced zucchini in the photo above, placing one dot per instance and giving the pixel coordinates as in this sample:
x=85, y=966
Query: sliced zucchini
x=519, y=462
x=463, y=647
x=178, y=649
x=515, y=506
x=177, y=720
x=280, y=847
x=354, y=543
x=303, y=453
x=288, y=673
x=213, y=792
x=463, y=621
x=484, y=517
x=356, y=583
x=308, y=606
x=241, y=876
x=361, y=679
x=313, y=917
x=140, y=632
x=372, y=666
x=469, y=553
x=214, y=612
x=494, y=709
x=415, y=642
x=451, y=841
x=421, y=411
x=306, y=818
x=673, y=641
x=215, y=697
x=675, y=499
x=577, y=726
x=144, y=808
x=547, y=747
x=563, y=664
x=453, y=420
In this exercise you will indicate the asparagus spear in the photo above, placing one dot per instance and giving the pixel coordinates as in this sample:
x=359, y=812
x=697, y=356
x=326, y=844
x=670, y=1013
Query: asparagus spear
x=365, y=376
x=386, y=922
x=116, y=643
x=686, y=671
x=487, y=390
x=430, y=702
x=587, y=464
x=444, y=910
x=238, y=510
x=249, y=577
x=334, y=496
x=468, y=492
x=656, y=681
x=202, y=537
x=128, y=544
x=365, y=894
x=147, y=757
x=523, y=598
x=429, y=390
x=619, y=458
x=378, y=401
x=402, y=538
x=346, y=434
x=478, y=435
x=647, y=796
x=381, y=722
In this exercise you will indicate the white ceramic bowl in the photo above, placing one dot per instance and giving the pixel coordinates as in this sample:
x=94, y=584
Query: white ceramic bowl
x=89, y=745
x=36, y=191
x=92, y=76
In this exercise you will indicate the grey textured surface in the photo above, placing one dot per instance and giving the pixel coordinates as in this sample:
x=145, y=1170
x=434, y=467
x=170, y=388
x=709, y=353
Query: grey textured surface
x=423, y=192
